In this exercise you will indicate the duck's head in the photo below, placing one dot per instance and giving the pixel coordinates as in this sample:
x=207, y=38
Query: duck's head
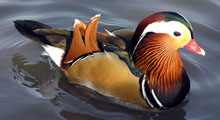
x=155, y=45
x=173, y=27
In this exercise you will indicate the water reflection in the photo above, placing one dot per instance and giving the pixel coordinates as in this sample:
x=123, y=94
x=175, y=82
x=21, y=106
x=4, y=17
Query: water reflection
x=40, y=75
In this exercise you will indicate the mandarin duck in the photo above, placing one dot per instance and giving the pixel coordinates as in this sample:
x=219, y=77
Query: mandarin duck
x=142, y=67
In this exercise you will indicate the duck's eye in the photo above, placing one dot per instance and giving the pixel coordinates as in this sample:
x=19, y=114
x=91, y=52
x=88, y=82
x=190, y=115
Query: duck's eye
x=177, y=34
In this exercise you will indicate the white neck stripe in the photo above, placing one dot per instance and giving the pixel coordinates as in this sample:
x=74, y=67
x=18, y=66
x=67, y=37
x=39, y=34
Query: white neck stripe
x=156, y=99
x=144, y=93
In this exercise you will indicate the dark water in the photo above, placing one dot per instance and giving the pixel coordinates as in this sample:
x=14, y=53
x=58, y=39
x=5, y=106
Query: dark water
x=33, y=88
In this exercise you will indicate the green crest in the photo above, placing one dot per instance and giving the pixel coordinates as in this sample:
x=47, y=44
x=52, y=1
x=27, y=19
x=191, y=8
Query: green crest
x=172, y=16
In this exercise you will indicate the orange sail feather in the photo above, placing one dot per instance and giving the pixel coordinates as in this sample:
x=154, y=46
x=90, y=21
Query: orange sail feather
x=78, y=47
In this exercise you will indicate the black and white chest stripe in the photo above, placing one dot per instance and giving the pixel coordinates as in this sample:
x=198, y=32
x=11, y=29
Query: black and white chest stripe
x=149, y=95
x=164, y=100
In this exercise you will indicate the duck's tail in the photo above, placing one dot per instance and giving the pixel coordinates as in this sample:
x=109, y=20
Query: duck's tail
x=63, y=46
x=27, y=27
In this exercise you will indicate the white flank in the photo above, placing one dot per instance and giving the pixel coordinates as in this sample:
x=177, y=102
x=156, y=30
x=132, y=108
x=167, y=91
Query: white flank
x=55, y=53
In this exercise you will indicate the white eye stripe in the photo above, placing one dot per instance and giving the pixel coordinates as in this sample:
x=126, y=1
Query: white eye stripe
x=163, y=27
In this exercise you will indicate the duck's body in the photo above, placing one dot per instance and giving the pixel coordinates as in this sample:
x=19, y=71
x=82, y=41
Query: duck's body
x=116, y=81
x=125, y=65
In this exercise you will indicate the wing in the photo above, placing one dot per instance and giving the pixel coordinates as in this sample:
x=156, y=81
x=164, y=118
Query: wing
x=117, y=41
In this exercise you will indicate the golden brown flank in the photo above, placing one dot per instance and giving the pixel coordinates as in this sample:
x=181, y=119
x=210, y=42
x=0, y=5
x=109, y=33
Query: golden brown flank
x=108, y=75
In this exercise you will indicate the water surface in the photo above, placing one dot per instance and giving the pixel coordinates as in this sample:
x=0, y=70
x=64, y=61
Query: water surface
x=33, y=88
